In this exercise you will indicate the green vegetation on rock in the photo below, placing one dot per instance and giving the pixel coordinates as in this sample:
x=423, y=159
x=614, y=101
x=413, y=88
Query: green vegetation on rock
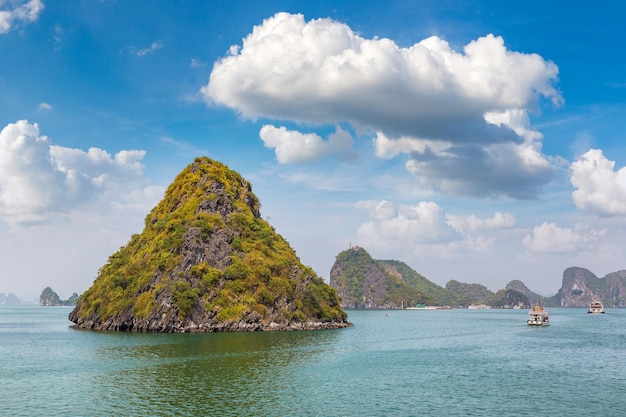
x=206, y=261
x=470, y=293
x=363, y=282
x=439, y=296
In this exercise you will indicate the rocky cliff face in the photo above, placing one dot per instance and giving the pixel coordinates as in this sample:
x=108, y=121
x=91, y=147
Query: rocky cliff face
x=206, y=262
x=365, y=291
x=580, y=287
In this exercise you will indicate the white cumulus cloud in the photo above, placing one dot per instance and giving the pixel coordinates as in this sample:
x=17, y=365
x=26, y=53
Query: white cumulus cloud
x=24, y=12
x=39, y=181
x=424, y=223
x=549, y=238
x=426, y=227
x=466, y=111
x=292, y=146
x=322, y=72
x=600, y=189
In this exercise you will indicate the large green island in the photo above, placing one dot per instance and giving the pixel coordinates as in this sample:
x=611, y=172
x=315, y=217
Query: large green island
x=206, y=261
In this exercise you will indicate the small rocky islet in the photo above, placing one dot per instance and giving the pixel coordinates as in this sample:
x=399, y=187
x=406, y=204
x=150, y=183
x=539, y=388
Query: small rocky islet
x=206, y=262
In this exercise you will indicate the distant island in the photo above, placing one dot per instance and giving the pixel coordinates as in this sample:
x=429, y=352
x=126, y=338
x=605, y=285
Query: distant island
x=10, y=299
x=206, y=261
x=581, y=287
x=363, y=282
x=49, y=298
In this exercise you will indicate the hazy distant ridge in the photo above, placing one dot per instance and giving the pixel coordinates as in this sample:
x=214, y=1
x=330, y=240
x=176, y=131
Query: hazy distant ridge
x=10, y=299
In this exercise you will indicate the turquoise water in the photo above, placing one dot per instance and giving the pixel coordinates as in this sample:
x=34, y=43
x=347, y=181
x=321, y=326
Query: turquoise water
x=406, y=363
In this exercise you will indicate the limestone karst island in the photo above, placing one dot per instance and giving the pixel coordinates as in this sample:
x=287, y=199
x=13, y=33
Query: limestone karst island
x=206, y=261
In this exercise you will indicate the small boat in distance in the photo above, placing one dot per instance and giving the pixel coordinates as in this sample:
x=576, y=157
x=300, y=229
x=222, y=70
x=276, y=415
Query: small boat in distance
x=538, y=316
x=596, y=307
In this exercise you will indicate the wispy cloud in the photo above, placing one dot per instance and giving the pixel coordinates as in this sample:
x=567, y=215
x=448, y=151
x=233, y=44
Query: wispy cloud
x=183, y=148
x=151, y=49
x=25, y=12
x=196, y=63
x=617, y=85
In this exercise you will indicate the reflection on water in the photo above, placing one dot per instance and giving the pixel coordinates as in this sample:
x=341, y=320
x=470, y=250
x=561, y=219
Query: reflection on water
x=205, y=374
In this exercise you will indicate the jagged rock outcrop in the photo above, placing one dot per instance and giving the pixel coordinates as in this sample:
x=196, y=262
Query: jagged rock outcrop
x=49, y=298
x=207, y=262
x=580, y=287
x=363, y=282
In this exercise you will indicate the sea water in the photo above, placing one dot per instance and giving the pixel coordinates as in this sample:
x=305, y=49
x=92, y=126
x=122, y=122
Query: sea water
x=391, y=363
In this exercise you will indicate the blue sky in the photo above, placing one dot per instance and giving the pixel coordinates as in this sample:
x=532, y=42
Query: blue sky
x=476, y=141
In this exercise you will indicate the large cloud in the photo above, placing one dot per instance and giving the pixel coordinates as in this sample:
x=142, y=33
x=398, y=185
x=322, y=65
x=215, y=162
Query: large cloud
x=321, y=72
x=600, y=189
x=26, y=12
x=39, y=181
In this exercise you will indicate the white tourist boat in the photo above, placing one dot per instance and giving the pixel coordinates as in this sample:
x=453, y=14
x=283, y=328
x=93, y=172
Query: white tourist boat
x=596, y=307
x=538, y=316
